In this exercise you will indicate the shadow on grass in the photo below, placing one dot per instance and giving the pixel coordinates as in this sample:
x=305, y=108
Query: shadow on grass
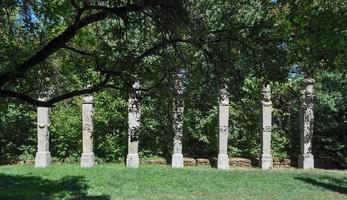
x=17, y=187
x=330, y=183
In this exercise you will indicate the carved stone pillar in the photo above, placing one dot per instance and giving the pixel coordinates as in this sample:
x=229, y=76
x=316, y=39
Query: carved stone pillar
x=266, y=158
x=87, y=158
x=134, y=125
x=178, y=109
x=43, y=156
x=306, y=160
x=223, y=158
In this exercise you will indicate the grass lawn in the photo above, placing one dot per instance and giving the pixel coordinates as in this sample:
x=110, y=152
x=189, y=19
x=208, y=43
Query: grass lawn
x=106, y=182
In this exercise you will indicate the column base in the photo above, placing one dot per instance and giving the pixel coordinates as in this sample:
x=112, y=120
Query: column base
x=43, y=159
x=133, y=160
x=306, y=161
x=87, y=160
x=223, y=162
x=266, y=161
x=177, y=160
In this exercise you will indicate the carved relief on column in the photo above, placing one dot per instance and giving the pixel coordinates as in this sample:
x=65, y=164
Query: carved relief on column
x=178, y=110
x=43, y=156
x=306, y=159
x=266, y=157
x=223, y=158
x=134, y=115
x=87, y=158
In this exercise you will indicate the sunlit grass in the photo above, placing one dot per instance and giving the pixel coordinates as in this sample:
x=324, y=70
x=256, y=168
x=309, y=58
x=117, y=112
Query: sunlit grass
x=162, y=182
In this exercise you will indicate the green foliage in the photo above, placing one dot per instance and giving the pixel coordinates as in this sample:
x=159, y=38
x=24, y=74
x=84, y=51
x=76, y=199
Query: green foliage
x=66, y=130
x=249, y=42
x=331, y=123
x=245, y=121
x=17, y=131
x=110, y=126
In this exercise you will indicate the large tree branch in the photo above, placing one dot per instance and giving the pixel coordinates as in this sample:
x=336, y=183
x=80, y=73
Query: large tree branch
x=54, y=45
x=54, y=100
x=109, y=73
x=60, y=41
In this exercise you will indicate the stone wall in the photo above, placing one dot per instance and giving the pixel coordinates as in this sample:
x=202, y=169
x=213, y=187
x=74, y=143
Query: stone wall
x=240, y=162
x=155, y=161
x=282, y=163
x=233, y=162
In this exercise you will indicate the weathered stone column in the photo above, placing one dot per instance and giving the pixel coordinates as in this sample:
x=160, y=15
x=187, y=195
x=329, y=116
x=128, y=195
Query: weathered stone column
x=134, y=125
x=306, y=160
x=266, y=158
x=301, y=118
x=223, y=158
x=178, y=109
x=87, y=158
x=43, y=156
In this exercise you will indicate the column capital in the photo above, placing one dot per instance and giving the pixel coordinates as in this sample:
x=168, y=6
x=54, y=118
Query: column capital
x=308, y=81
x=43, y=98
x=266, y=103
x=88, y=99
x=266, y=92
x=309, y=90
x=307, y=85
x=136, y=85
x=223, y=98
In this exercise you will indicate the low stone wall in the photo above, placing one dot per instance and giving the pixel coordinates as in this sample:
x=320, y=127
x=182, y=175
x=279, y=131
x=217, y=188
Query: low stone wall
x=189, y=162
x=282, y=163
x=212, y=162
x=203, y=162
x=155, y=161
x=240, y=162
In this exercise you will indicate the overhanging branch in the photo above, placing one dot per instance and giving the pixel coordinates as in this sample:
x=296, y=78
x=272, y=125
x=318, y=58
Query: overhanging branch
x=60, y=41
x=54, y=100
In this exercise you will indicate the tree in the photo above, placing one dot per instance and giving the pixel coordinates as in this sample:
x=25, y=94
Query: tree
x=55, y=31
x=62, y=49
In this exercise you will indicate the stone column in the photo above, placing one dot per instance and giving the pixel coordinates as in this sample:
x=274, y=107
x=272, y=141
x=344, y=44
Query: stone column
x=266, y=158
x=223, y=159
x=87, y=158
x=306, y=160
x=134, y=125
x=178, y=109
x=43, y=156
